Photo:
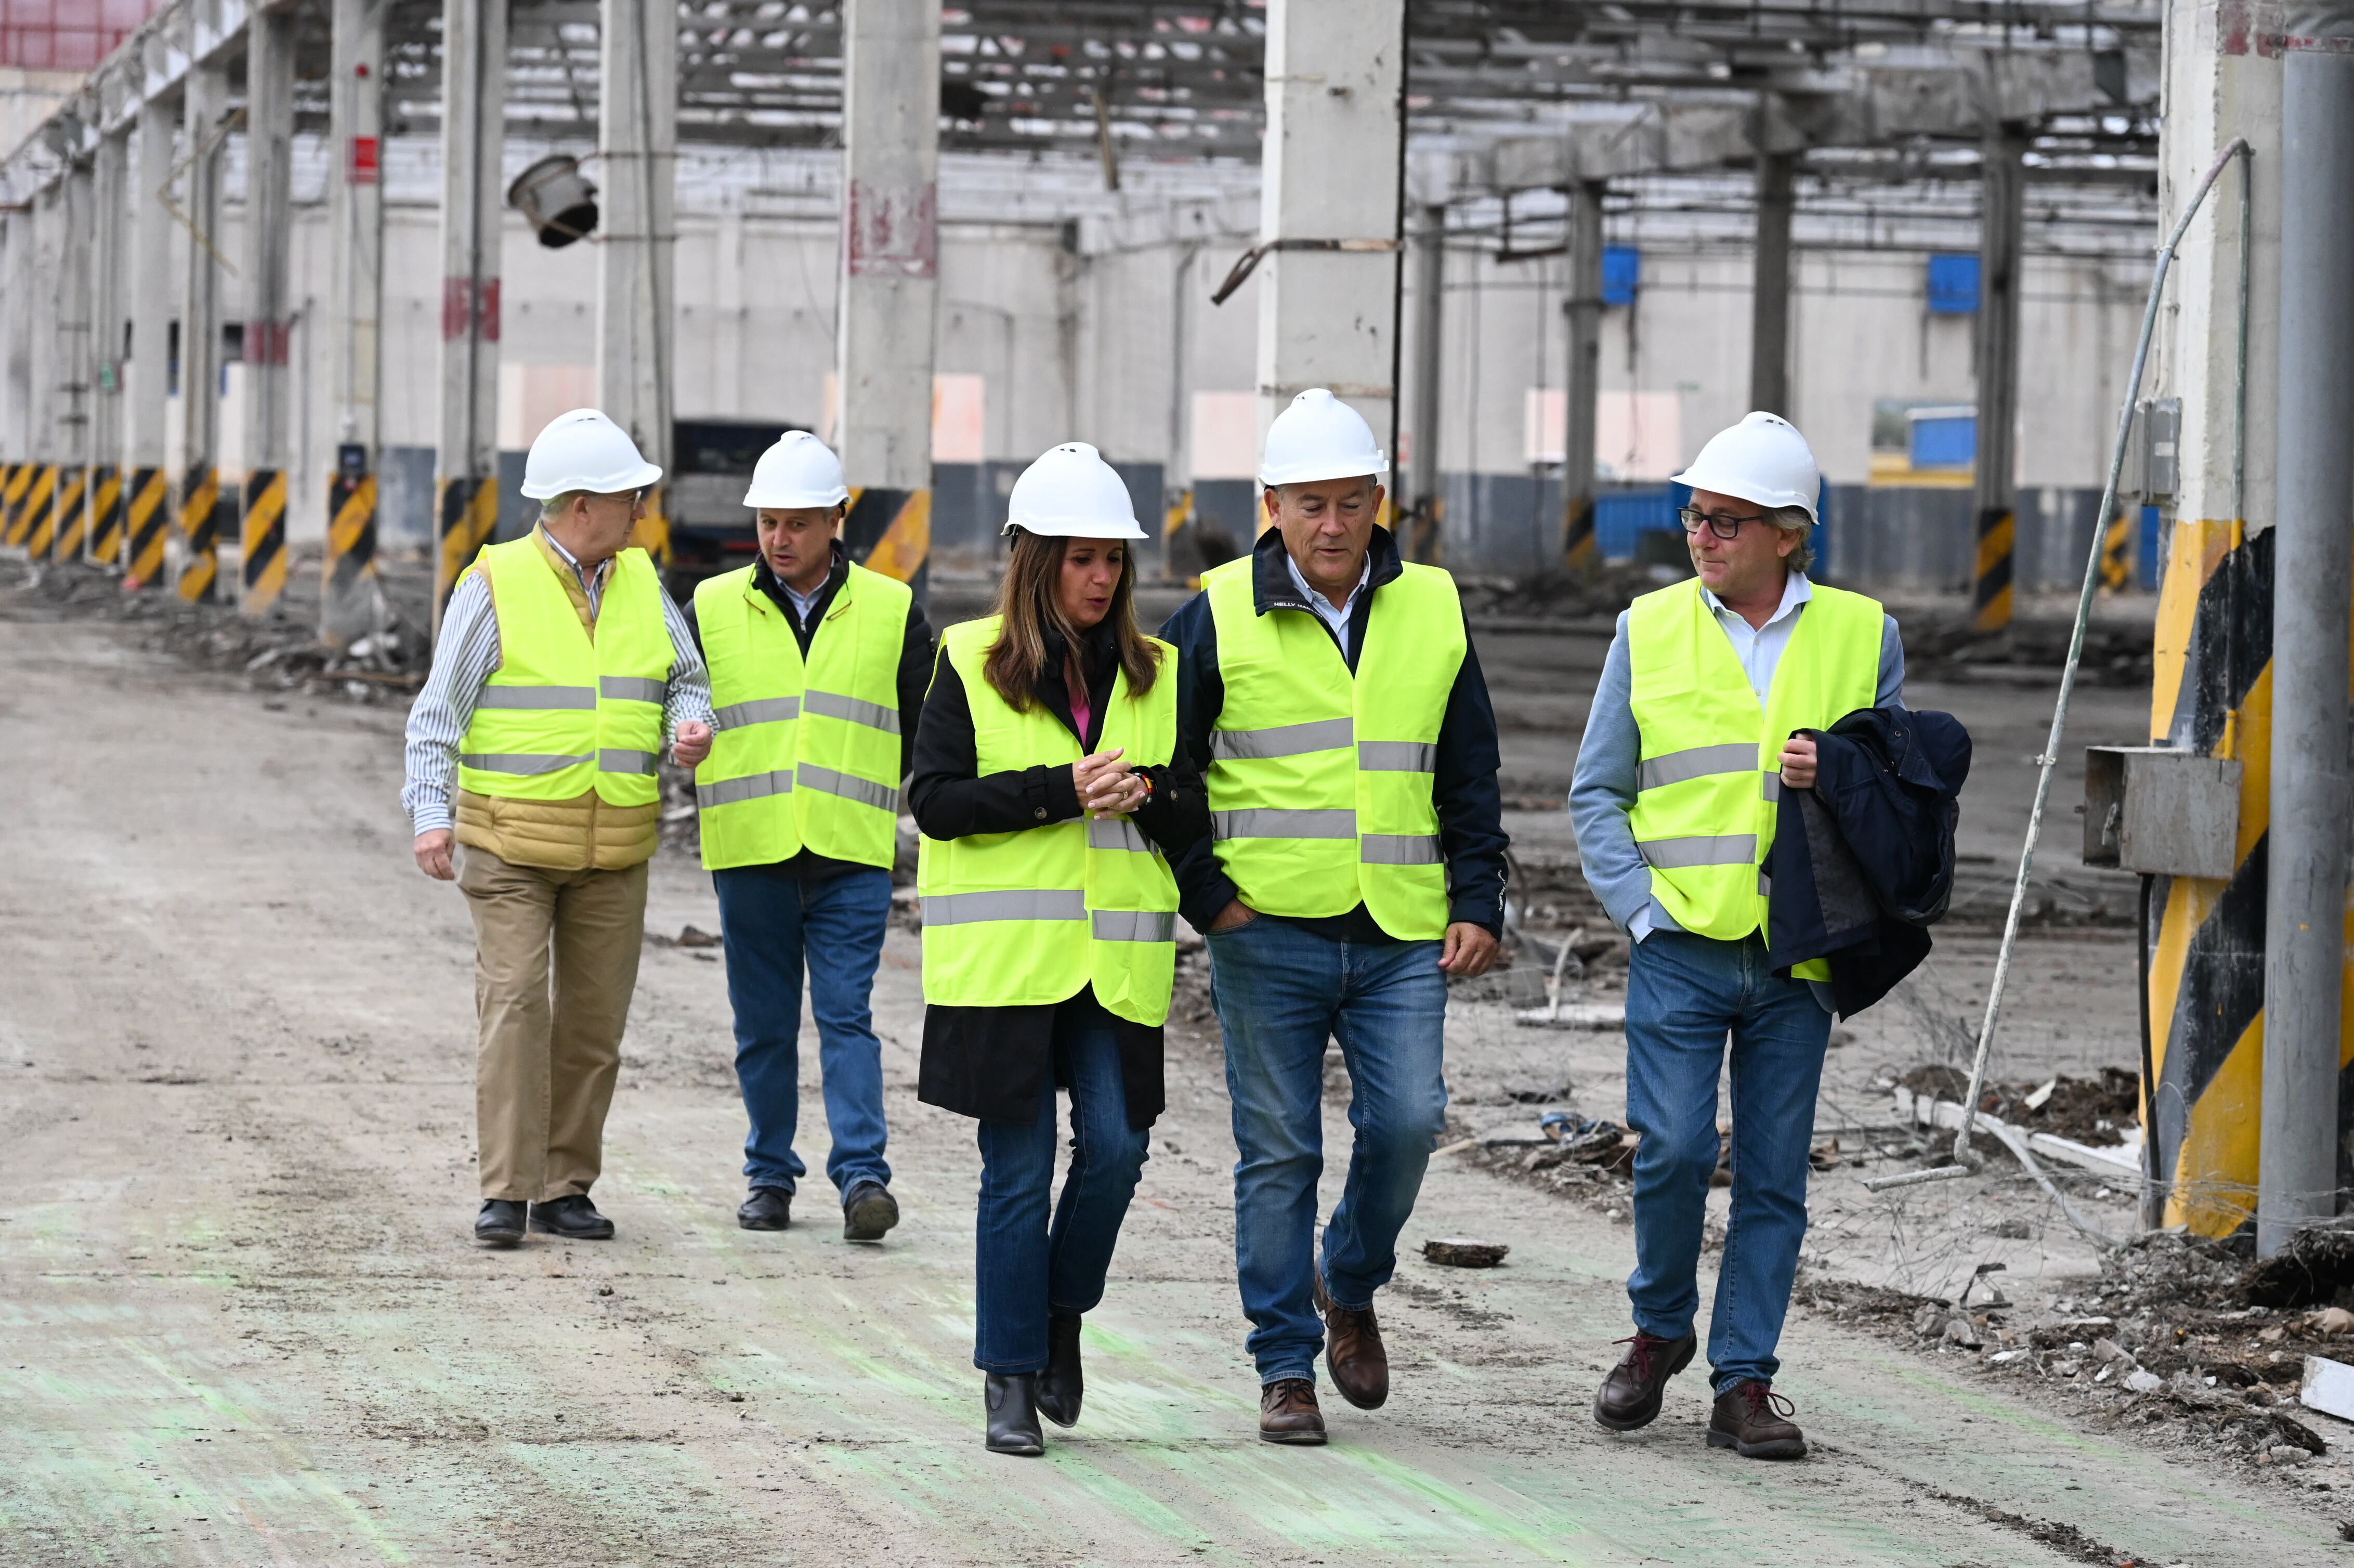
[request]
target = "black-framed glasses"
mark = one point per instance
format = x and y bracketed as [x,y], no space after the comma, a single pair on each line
[1722,524]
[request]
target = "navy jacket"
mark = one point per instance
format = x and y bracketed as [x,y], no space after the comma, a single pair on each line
[1864,862]
[1464,790]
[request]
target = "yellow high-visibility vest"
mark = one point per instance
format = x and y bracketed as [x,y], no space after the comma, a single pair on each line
[1320,782]
[1709,779]
[805,756]
[564,714]
[1026,918]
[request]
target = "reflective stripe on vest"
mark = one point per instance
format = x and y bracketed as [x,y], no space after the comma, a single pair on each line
[807,754]
[1708,781]
[1001,910]
[1320,780]
[564,713]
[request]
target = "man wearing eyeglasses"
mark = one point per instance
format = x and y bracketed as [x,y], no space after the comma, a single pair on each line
[1688,746]
[562,669]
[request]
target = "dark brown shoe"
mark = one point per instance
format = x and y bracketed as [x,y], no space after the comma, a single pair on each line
[1288,1413]
[1630,1395]
[1753,1421]
[1353,1351]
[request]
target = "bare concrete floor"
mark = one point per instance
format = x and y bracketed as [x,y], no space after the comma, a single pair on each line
[244,1323]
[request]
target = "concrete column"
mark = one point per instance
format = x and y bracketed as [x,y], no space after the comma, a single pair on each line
[2000,223]
[1429,341]
[351,603]
[1582,375]
[1329,206]
[201,508]
[1769,309]
[637,302]
[147,503]
[110,289]
[76,364]
[888,317]
[474,142]
[15,368]
[39,524]
[2313,606]
[269,310]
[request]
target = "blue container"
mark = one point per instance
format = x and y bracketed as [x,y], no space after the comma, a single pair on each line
[1953,285]
[1945,440]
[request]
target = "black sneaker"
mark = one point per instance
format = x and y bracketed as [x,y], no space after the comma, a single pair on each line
[500,1223]
[868,1211]
[574,1218]
[768,1209]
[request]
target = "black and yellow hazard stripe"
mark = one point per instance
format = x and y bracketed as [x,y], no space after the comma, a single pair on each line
[1991,590]
[147,513]
[16,478]
[105,514]
[1580,551]
[40,524]
[890,532]
[2118,552]
[200,507]
[2212,694]
[262,540]
[467,513]
[73,519]
[351,534]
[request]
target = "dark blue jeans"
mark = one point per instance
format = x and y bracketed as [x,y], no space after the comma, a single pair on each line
[1685,994]
[1281,993]
[775,924]
[1025,1269]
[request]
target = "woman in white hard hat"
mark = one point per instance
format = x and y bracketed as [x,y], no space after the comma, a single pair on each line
[1052,796]
[818,668]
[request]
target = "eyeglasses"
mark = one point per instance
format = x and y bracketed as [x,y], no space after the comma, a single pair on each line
[1722,525]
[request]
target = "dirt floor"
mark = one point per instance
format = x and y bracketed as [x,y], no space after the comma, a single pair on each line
[246,1324]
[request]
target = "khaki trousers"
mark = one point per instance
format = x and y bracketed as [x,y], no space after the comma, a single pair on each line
[556,957]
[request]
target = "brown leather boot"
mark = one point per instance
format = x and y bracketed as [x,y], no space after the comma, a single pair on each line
[1753,1421]
[1353,1351]
[1288,1413]
[1630,1396]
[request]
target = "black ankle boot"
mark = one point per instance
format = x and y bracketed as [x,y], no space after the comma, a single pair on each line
[1013,1403]
[1060,1386]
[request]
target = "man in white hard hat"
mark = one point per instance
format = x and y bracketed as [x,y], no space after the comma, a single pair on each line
[1356,862]
[562,671]
[1689,745]
[818,670]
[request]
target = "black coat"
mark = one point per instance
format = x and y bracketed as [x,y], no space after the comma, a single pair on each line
[993,1062]
[1862,864]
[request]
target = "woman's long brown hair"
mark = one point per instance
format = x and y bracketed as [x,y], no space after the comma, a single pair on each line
[1026,599]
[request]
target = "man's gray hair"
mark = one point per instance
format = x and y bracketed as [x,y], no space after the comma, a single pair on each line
[558,504]
[1795,520]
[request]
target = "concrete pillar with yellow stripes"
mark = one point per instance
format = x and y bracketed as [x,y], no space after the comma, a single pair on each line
[889,285]
[71,525]
[36,525]
[267,230]
[474,142]
[1994,498]
[351,603]
[202,506]
[147,495]
[109,293]
[14,516]
[146,519]
[106,514]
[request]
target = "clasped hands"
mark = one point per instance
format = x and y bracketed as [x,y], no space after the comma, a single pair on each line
[1105,786]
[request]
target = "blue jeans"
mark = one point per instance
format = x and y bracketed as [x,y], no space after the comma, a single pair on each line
[773,924]
[1684,995]
[1025,1269]
[1281,991]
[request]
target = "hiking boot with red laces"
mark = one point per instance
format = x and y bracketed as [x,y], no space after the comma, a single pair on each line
[1753,1421]
[1630,1394]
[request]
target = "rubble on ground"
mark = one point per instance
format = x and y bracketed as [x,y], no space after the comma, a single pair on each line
[1946,646]
[2096,1111]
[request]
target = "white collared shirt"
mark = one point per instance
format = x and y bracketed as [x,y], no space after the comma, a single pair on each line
[1335,616]
[1759,648]
[801,601]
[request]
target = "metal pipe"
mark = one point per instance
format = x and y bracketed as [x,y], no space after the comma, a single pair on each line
[2313,598]
[1582,374]
[1965,1161]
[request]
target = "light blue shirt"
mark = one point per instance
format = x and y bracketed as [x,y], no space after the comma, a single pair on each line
[1602,791]
[1335,616]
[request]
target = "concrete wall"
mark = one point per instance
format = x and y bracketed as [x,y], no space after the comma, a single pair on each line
[1063,300]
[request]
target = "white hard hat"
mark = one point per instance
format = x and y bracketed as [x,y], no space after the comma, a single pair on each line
[799,470]
[1070,493]
[1763,459]
[585,451]
[1320,436]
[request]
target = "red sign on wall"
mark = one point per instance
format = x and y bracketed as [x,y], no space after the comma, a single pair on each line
[892,232]
[360,168]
